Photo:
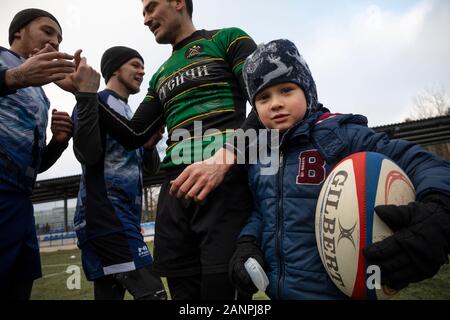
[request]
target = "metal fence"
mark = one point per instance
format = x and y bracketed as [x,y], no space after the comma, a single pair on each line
[54,235]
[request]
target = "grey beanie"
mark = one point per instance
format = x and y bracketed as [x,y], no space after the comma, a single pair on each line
[22,18]
[276,62]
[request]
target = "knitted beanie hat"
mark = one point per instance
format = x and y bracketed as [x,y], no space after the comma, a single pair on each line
[276,62]
[114,58]
[22,18]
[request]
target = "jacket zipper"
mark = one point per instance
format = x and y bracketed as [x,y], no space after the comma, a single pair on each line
[280,226]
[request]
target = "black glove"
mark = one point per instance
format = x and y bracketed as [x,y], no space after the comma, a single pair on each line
[420,244]
[246,247]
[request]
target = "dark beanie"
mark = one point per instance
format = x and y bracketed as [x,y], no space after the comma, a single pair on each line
[114,58]
[276,62]
[24,17]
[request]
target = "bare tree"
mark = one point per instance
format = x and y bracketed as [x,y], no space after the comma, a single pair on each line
[154,195]
[150,203]
[431,102]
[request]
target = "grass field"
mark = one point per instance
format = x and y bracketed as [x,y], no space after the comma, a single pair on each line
[52,286]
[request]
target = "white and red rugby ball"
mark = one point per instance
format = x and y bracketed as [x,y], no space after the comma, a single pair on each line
[346,222]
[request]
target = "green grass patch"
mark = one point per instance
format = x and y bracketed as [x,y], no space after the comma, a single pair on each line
[53,284]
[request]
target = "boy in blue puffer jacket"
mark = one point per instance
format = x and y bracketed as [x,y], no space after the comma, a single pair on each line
[280,233]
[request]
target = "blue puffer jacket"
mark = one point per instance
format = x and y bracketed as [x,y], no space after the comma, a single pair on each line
[284,211]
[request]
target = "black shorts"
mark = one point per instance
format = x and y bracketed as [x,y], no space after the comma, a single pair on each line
[193,238]
[19,248]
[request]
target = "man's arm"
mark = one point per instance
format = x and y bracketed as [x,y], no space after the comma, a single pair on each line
[87,137]
[134,133]
[4,90]
[39,70]
[94,119]
[152,162]
[62,129]
[238,53]
[87,145]
[52,153]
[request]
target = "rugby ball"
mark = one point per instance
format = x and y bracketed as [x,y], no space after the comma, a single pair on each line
[346,222]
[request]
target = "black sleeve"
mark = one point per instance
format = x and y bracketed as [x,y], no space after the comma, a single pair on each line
[52,153]
[237,54]
[241,151]
[134,133]
[252,122]
[239,47]
[87,137]
[152,162]
[4,91]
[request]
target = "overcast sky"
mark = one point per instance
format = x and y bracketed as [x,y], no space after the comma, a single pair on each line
[368,57]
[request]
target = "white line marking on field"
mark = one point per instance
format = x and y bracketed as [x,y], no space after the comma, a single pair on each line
[53,275]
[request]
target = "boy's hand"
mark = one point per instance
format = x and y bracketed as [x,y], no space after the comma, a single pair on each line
[61,127]
[246,247]
[420,244]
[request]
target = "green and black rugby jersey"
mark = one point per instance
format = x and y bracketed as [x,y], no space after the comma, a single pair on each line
[201,81]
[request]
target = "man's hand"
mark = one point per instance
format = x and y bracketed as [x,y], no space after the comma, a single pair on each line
[85,79]
[199,179]
[67,83]
[420,244]
[246,247]
[154,139]
[61,127]
[46,49]
[46,66]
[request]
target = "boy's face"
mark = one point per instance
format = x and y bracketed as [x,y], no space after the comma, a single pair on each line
[281,106]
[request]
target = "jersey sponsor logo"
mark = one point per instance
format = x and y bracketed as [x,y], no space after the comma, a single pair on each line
[311,168]
[194,51]
[143,252]
[179,79]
